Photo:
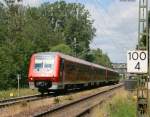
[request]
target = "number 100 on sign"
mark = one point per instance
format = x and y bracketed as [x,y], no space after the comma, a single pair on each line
[137,61]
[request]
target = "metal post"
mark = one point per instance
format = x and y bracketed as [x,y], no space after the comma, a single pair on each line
[75,44]
[18,78]
[142,89]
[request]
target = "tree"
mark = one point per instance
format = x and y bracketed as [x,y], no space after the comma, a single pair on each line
[61,48]
[100,58]
[71,21]
[59,26]
[142,42]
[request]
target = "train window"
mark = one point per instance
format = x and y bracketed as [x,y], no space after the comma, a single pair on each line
[47,65]
[38,64]
[44,64]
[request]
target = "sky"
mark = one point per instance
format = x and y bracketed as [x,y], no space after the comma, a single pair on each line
[116,22]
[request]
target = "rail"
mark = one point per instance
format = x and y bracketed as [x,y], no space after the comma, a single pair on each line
[79,106]
[11,101]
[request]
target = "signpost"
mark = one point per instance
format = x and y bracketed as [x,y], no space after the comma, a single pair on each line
[18,79]
[138,61]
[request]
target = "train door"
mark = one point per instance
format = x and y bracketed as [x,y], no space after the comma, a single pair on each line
[106,75]
[62,72]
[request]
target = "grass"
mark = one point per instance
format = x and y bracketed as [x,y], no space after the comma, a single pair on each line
[11,93]
[123,104]
[70,97]
[25,106]
[57,100]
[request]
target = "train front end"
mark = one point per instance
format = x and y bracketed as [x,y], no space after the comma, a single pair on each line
[44,71]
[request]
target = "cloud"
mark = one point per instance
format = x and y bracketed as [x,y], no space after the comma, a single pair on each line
[32,3]
[117,27]
[2,1]
[116,23]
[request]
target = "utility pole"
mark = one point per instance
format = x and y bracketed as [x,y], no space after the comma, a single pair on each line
[75,46]
[142,89]
[18,79]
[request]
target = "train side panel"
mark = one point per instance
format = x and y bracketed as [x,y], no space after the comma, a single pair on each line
[75,73]
[113,77]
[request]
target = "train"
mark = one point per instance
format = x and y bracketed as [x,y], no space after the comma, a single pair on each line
[55,71]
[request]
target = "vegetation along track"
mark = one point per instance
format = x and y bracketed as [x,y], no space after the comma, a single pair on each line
[13,101]
[78,107]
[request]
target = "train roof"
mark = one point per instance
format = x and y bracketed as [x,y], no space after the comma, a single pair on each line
[77,60]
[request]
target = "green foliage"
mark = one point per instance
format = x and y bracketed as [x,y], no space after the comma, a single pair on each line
[12,93]
[97,56]
[61,48]
[123,108]
[59,26]
[142,43]
[57,100]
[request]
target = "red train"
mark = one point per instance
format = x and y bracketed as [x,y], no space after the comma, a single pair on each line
[53,71]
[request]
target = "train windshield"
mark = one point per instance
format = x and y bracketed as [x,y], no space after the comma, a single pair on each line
[44,64]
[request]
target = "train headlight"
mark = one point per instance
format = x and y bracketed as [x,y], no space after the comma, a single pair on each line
[31,78]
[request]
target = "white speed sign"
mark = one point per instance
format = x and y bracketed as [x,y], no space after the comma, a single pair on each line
[137,61]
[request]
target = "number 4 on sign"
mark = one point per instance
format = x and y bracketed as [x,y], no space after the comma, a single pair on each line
[137,66]
[137,61]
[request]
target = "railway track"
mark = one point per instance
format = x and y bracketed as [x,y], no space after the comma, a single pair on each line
[78,107]
[12,101]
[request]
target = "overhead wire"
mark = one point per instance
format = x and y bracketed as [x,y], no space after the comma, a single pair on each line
[127,25]
[105,31]
[104,20]
[109,15]
[100,25]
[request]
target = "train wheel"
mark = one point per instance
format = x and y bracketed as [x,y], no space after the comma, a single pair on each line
[42,91]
